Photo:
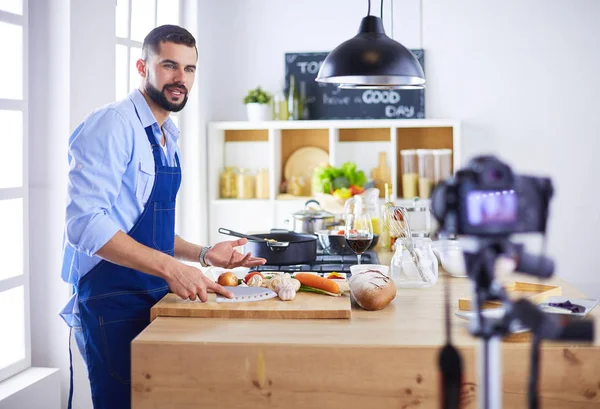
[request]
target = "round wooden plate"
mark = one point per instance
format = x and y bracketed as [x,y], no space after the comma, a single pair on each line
[303,161]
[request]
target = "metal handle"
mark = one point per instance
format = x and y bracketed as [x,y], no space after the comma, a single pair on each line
[312,201]
[241,235]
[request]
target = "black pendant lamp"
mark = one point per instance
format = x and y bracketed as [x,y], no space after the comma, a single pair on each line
[372,60]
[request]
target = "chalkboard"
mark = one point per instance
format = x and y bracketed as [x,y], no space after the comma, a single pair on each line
[327,101]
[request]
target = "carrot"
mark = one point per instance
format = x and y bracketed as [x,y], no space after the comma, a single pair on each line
[315,281]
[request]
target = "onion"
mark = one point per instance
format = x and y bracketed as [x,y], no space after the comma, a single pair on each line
[372,289]
[228,279]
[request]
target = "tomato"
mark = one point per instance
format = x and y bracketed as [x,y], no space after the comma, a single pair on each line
[340,232]
[252,274]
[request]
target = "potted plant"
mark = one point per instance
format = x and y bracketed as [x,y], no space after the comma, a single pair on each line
[258,105]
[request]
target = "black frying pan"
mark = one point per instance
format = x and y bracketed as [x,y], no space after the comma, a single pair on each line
[289,247]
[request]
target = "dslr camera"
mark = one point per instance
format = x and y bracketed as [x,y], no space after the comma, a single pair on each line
[487,199]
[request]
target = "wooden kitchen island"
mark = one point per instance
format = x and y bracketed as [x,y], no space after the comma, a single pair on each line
[380,359]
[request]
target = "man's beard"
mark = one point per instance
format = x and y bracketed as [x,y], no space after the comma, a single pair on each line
[160,98]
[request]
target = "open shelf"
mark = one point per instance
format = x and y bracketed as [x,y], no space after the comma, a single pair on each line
[246,135]
[364,135]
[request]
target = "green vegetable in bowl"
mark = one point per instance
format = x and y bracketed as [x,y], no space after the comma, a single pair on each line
[327,179]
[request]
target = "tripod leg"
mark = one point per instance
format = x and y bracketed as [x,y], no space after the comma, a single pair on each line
[490,373]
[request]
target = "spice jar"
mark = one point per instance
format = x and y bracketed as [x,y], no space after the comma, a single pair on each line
[228,183]
[245,184]
[262,184]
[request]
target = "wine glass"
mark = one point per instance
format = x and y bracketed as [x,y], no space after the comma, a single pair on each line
[358,232]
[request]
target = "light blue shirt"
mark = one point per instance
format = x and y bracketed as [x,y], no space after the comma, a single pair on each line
[111,175]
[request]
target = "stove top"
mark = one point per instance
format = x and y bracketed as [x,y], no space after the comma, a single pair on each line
[325,263]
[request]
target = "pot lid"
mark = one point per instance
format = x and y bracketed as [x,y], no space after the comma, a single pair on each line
[308,213]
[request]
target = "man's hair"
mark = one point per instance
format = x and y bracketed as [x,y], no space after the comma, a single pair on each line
[167,33]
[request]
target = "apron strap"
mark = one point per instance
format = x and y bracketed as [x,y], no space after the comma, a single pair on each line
[70,402]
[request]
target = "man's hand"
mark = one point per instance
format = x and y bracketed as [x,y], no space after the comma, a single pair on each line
[187,282]
[225,255]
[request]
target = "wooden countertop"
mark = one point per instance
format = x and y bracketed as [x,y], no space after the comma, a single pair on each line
[393,351]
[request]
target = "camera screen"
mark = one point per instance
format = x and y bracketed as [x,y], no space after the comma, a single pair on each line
[491,207]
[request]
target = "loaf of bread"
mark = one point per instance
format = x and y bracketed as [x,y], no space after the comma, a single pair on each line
[372,289]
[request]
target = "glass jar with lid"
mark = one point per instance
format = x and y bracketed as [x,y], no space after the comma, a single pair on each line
[245,184]
[262,184]
[228,183]
[418,269]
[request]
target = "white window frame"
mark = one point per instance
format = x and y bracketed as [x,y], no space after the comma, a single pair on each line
[129,43]
[20,193]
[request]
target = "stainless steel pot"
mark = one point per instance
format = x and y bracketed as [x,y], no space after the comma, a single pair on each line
[309,221]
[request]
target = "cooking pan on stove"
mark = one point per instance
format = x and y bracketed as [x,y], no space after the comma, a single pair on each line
[288,247]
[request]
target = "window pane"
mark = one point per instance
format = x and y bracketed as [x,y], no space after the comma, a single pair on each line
[11,75]
[142,18]
[121,71]
[134,76]
[11,138]
[12,326]
[167,12]
[12,6]
[11,239]
[122,18]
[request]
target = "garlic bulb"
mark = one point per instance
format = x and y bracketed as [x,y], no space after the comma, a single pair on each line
[285,290]
[255,281]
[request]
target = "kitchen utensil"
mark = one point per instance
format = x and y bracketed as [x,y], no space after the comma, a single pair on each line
[246,294]
[303,161]
[304,306]
[272,243]
[397,220]
[310,220]
[301,248]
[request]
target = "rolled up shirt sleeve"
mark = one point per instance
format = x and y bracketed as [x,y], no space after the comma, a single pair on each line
[99,152]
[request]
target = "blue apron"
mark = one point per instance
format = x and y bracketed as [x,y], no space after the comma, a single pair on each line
[115,301]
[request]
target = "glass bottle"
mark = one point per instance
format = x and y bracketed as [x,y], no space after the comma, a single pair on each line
[292,104]
[384,238]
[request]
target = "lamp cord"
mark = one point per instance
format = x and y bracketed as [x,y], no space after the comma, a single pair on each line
[369,9]
[381,11]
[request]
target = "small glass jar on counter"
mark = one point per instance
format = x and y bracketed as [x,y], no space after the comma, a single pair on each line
[245,184]
[403,268]
[262,184]
[228,183]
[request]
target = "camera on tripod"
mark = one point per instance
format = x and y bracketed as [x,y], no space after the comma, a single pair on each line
[487,203]
[487,199]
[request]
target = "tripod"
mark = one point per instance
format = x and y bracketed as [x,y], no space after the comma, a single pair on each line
[480,257]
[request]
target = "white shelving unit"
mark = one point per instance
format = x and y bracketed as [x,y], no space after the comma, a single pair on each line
[268,144]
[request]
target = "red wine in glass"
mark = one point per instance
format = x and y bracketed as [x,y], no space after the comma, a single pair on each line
[359,244]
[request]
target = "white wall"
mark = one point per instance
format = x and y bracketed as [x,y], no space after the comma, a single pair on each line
[71,72]
[523,76]
[490,64]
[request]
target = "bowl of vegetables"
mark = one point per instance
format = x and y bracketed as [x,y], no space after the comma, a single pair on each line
[341,182]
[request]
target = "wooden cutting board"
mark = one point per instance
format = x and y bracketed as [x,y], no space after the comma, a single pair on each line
[305,305]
